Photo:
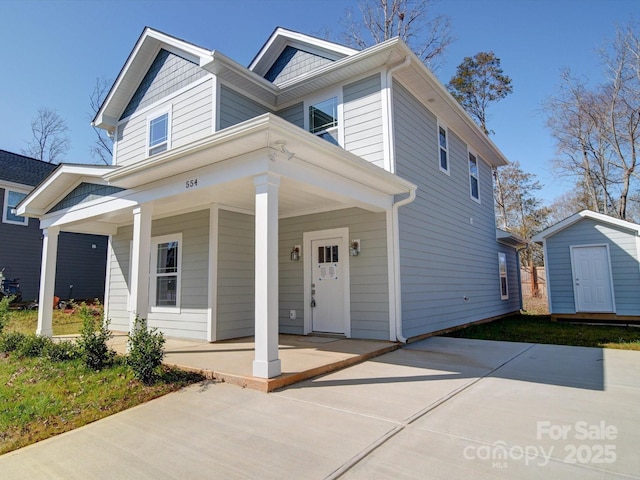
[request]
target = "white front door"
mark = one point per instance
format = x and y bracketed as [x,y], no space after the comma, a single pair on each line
[592,279]
[327,285]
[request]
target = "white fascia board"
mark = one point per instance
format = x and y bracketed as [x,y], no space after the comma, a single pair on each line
[219,60]
[576,217]
[16,186]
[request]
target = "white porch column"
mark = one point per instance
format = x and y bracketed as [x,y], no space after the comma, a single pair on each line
[47,281]
[140,256]
[266,363]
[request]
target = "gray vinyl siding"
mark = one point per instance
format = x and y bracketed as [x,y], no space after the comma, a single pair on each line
[168,73]
[292,63]
[448,247]
[624,264]
[363,119]
[191,321]
[191,114]
[77,264]
[236,108]
[236,275]
[368,271]
[293,114]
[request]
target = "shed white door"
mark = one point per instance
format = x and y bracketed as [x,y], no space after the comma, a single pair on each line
[327,286]
[592,279]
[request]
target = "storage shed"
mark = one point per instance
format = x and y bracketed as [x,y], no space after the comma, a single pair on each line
[593,268]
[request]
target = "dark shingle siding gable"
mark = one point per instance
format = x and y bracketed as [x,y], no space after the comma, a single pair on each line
[17,168]
[292,63]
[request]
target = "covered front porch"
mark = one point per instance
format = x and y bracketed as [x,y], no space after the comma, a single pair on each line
[266,170]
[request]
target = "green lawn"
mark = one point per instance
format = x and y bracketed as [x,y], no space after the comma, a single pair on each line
[40,398]
[540,329]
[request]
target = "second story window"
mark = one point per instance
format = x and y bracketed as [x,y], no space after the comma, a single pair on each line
[158,133]
[11,200]
[443,148]
[473,177]
[323,119]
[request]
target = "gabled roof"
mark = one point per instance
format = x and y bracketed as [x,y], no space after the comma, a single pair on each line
[136,67]
[585,214]
[23,170]
[282,38]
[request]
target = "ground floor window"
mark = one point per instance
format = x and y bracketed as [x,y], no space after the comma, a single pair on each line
[504,283]
[166,264]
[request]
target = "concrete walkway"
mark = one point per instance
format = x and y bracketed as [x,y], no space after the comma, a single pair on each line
[442,408]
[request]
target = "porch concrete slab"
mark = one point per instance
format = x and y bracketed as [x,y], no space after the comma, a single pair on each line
[231,361]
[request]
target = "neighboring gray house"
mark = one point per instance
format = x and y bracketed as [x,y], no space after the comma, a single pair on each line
[321,189]
[592,264]
[81,258]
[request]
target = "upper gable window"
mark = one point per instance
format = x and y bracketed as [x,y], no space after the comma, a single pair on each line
[159,133]
[11,200]
[443,148]
[323,119]
[474,183]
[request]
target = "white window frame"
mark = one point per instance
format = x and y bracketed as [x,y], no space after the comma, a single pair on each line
[153,273]
[167,110]
[7,190]
[477,176]
[442,126]
[319,98]
[502,260]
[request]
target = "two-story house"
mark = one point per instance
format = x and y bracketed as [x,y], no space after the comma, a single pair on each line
[320,189]
[81,258]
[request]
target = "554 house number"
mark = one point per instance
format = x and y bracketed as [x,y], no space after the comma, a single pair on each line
[191,183]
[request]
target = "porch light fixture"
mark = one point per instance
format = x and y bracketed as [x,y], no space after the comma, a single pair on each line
[354,248]
[295,253]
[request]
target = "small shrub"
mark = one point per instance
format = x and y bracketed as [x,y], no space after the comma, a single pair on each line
[33,346]
[145,351]
[4,311]
[94,335]
[9,342]
[62,351]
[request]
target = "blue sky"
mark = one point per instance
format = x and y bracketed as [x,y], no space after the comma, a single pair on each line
[52,52]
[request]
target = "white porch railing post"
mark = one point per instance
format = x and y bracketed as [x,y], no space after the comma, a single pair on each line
[140,257]
[266,363]
[47,281]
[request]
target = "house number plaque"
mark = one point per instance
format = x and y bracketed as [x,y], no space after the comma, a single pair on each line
[191,183]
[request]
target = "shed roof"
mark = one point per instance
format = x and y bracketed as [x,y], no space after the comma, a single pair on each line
[23,170]
[585,214]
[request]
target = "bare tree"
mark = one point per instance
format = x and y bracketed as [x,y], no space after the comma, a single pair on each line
[597,130]
[50,142]
[102,149]
[410,20]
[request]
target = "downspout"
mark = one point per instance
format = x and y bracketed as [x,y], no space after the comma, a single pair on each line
[395,237]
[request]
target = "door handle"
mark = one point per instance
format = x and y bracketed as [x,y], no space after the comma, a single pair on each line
[313,302]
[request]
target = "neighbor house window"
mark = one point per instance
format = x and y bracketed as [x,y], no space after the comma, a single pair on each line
[11,200]
[504,283]
[443,148]
[323,119]
[474,185]
[165,271]
[158,133]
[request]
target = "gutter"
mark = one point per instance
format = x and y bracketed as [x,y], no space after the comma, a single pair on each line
[395,234]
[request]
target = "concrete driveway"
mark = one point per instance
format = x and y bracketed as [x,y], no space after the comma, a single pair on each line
[440,408]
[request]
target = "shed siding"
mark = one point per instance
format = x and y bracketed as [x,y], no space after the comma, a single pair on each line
[369,272]
[448,247]
[292,63]
[624,265]
[363,119]
[293,114]
[236,108]
[236,275]
[190,120]
[191,321]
